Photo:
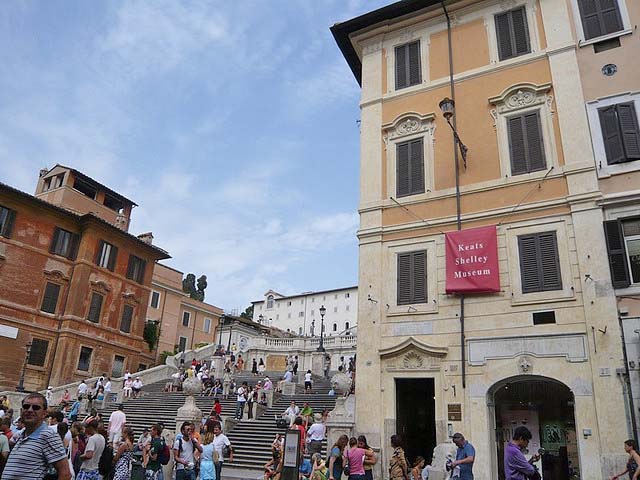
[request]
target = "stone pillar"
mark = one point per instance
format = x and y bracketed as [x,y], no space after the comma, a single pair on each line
[189,411]
[317,363]
[288,388]
[217,363]
[269,396]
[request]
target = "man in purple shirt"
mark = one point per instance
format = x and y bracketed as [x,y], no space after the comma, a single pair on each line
[516,466]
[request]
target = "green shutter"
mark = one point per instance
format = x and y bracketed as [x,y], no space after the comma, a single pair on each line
[629,130]
[401,67]
[403,187]
[419,277]
[517,148]
[520,32]
[404,279]
[530,275]
[113,255]
[535,145]
[414,73]
[416,160]
[539,262]
[599,17]
[503,33]
[617,254]
[611,135]
[549,261]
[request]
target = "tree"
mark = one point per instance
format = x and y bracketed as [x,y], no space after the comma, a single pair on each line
[248,313]
[189,286]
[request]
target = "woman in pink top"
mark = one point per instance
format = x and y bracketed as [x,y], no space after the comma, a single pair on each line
[355,458]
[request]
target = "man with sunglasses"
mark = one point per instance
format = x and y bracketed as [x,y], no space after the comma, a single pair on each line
[38,447]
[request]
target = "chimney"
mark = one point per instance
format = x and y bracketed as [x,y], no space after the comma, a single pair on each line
[43,172]
[146,238]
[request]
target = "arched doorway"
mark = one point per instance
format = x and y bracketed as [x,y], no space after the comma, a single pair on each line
[546,407]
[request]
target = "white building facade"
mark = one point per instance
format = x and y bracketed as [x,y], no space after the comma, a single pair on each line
[300,314]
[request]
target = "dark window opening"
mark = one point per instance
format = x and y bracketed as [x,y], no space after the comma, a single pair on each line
[141,367]
[155,299]
[50,298]
[543,318]
[117,368]
[182,345]
[106,256]
[408,70]
[85,359]
[64,243]
[113,203]
[38,352]
[186,316]
[7,217]
[95,308]
[606,45]
[127,318]
[135,270]
[85,188]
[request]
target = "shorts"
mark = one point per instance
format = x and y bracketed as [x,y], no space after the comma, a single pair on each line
[114,437]
[307,385]
[89,475]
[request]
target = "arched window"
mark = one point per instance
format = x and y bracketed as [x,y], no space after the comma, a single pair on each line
[270,301]
[335,327]
[346,325]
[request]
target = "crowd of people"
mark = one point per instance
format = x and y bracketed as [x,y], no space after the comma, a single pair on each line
[54,444]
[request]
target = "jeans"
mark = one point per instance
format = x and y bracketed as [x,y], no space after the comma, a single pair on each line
[184,474]
[218,466]
[239,409]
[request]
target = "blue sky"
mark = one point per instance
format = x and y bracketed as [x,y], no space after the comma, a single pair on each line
[231,123]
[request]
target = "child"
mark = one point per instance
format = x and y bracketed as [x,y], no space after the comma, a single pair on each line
[418,465]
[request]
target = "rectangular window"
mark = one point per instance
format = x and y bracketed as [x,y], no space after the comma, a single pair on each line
[288,315]
[207,325]
[526,145]
[84,362]
[95,308]
[7,217]
[599,17]
[412,277]
[182,344]
[623,247]
[512,33]
[631,231]
[135,270]
[300,314]
[408,70]
[544,318]
[142,367]
[117,368]
[186,318]
[346,295]
[347,308]
[409,168]
[155,299]
[50,298]
[127,318]
[539,262]
[38,352]
[288,304]
[106,255]
[620,132]
[64,243]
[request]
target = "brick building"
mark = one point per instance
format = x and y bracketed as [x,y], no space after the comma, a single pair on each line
[72,283]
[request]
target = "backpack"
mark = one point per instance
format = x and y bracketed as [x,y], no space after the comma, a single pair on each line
[105,465]
[164,455]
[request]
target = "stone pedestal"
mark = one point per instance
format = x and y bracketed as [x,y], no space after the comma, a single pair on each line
[341,419]
[189,411]
[269,396]
[288,388]
[217,364]
[317,363]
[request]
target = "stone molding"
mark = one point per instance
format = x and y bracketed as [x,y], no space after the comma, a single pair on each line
[519,96]
[56,276]
[409,123]
[571,346]
[412,354]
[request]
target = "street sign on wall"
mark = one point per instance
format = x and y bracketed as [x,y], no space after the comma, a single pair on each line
[472,261]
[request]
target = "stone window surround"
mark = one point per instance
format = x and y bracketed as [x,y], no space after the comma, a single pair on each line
[87,372]
[553,225]
[151,298]
[602,167]
[406,127]
[204,325]
[423,31]
[124,363]
[57,277]
[390,276]
[516,100]
[134,315]
[44,367]
[627,27]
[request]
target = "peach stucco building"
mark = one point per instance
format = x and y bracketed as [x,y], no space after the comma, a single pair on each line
[544,350]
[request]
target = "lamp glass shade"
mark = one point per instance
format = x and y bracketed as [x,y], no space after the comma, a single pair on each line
[447,106]
[323,310]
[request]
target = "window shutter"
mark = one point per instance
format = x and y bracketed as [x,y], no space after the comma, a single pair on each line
[8,223]
[517,146]
[535,145]
[530,274]
[404,279]
[143,266]
[73,246]
[611,135]
[520,31]
[112,258]
[419,271]
[617,254]
[50,297]
[95,308]
[38,352]
[611,20]
[402,170]
[503,32]
[54,241]
[549,261]
[414,63]
[630,131]
[101,245]
[417,167]
[130,267]
[401,67]
[127,316]
[590,18]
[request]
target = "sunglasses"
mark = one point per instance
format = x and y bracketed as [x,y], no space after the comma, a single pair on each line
[35,408]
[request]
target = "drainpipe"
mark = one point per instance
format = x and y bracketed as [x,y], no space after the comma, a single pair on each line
[457,175]
[626,382]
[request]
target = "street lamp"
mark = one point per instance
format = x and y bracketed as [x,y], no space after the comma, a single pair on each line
[260,319]
[448,107]
[20,386]
[322,312]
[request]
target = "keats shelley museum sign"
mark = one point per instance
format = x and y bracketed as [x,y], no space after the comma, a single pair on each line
[472,261]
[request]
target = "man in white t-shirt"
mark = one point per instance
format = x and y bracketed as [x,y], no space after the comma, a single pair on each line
[117,420]
[54,419]
[220,440]
[184,449]
[136,386]
[92,453]
[241,400]
[107,392]
[316,434]
[82,388]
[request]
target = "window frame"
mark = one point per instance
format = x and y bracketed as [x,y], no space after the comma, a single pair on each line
[406,47]
[44,292]
[625,240]
[619,130]
[110,261]
[413,300]
[539,267]
[180,347]
[126,307]
[6,227]
[512,36]
[159,296]
[270,302]
[186,314]
[136,268]
[90,307]
[205,328]
[91,349]
[113,362]
[527,159]
[71,250]
[627,27]
[44,357]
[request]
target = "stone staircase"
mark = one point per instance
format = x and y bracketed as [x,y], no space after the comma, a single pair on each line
[251,438]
